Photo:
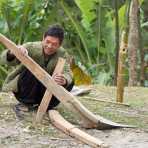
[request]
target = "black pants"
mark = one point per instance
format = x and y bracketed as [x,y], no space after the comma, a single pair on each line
[31,90]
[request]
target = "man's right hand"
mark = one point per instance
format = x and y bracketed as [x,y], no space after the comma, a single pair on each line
[23,50]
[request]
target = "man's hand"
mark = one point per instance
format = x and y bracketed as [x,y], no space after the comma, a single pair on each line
[23,50]
[59,79]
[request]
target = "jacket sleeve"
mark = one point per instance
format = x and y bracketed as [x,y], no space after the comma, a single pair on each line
[7,58]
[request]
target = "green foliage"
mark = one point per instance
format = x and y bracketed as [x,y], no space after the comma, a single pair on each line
[89,28]
[96,31]
[78,29]
[145,24]
[141,2]
[88,15]
[3,74]
[122,12]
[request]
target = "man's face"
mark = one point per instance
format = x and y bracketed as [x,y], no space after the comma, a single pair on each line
[50,45]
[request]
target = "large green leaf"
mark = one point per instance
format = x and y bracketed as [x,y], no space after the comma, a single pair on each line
[86,7]
[78,28]
[145,24]
[141,2]
[121,13]
[103,78]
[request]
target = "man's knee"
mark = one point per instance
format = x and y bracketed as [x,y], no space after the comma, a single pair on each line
[54,101]
[70,86]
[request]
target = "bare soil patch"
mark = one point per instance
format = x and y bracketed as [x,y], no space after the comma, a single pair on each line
[15,133]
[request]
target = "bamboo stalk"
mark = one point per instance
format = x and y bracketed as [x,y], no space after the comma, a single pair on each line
[121,68]
[116,39]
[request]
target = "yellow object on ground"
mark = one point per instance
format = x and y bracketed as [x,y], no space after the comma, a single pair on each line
[80,77]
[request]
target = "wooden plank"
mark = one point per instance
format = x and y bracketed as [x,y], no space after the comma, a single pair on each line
[69,129]
[88,118]
[48,95]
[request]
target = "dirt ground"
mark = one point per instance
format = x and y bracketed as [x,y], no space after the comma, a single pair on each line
[16,133]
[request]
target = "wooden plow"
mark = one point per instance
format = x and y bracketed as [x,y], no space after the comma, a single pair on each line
[88,118]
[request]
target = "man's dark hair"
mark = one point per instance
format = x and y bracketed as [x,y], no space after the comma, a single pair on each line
[55,31]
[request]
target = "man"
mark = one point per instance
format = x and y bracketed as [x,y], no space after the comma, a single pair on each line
[27,89]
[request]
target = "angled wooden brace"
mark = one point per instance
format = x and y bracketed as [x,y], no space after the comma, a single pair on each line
[48,95]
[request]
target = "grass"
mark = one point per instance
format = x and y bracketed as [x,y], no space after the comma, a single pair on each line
[136,114]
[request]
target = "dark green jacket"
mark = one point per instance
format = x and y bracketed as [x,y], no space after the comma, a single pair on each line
[36,53]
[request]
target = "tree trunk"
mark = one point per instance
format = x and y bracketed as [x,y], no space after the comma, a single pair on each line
[133,42]
[117,40]
[142,77]
[121,68]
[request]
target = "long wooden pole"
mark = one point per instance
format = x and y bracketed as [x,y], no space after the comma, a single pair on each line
[121,68]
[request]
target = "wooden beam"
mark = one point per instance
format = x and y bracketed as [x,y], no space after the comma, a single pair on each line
[69,129]
[48,95]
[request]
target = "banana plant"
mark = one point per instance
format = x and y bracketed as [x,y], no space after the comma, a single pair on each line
[98,24]
[78,29]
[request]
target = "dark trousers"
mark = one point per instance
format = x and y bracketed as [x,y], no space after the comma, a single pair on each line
[31,90]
